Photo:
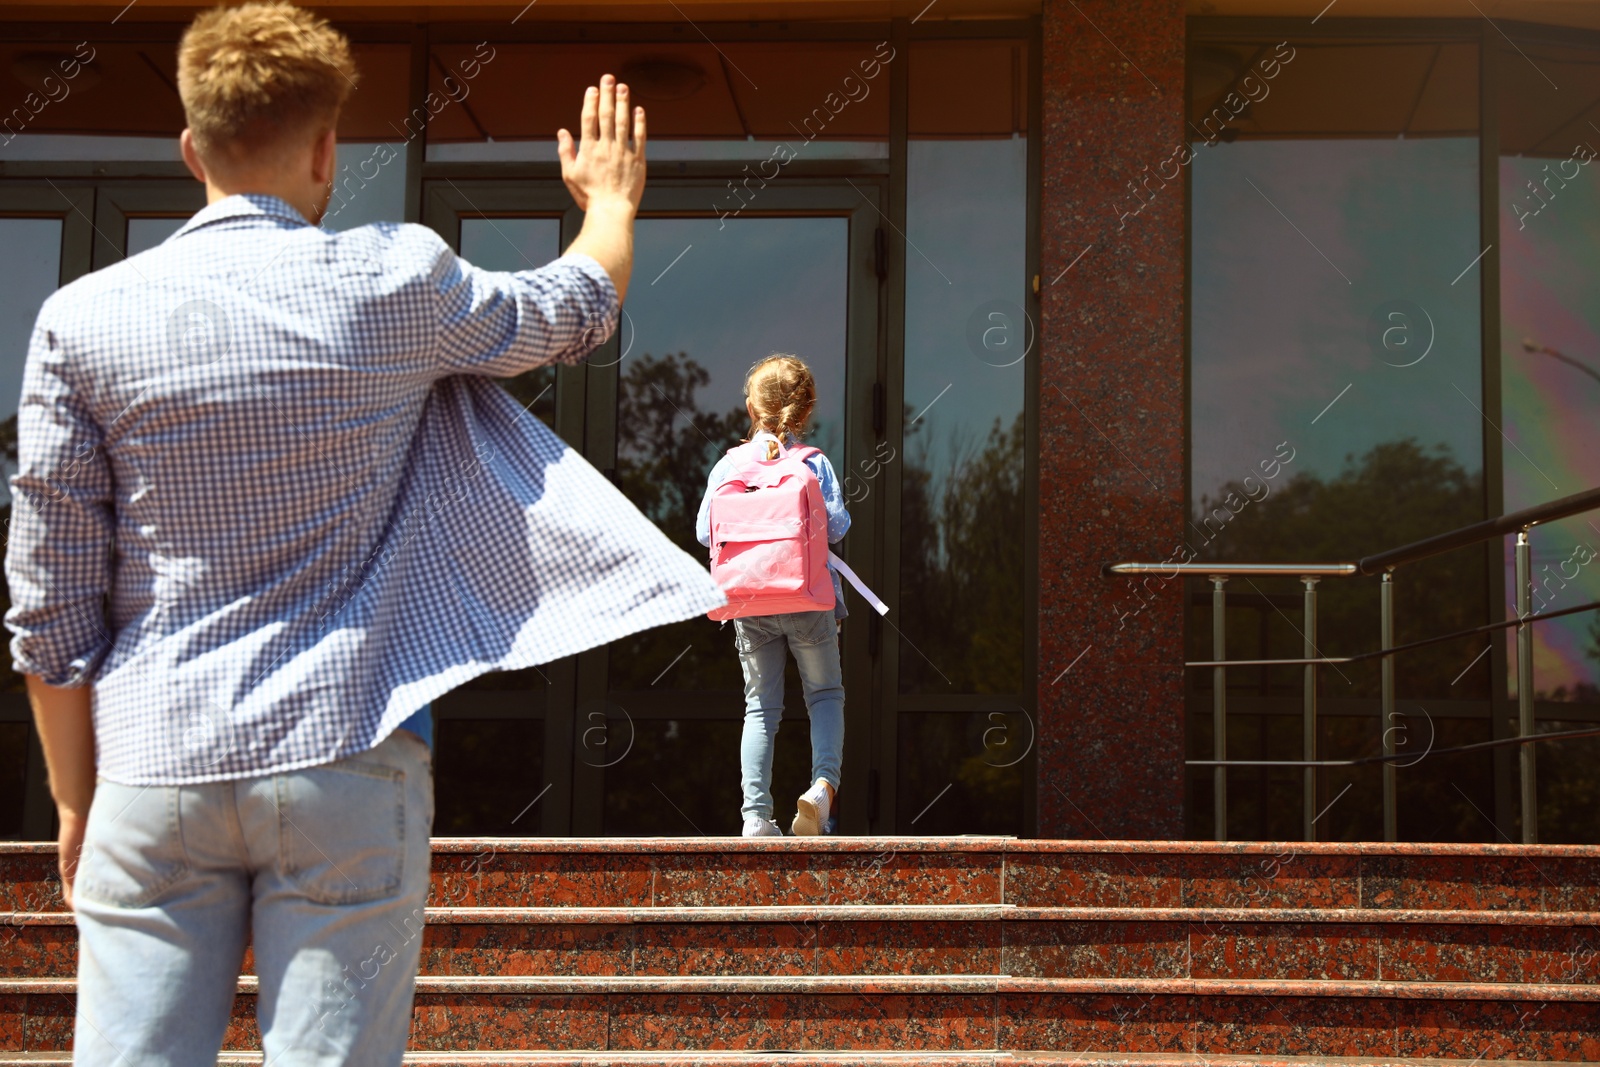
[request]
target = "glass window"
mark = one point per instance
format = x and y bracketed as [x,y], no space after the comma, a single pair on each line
[486,776]
[709,298]
[29,272]
[962,772]
[1549,215]
[735,100]
[146,232]
[658,792]
[518,244]
[13,778]
[1550,345]
[967,339]
[1335,392]
[369,185]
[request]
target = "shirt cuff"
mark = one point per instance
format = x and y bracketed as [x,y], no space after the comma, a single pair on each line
[74,675]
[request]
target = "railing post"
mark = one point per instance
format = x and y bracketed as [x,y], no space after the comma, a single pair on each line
[1391,828]
[1309,725]
[1219,704]
[1525,724]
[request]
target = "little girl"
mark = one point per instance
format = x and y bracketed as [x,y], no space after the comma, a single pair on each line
[779,395]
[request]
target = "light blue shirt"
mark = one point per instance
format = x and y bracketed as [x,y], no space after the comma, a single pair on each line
[832,500]
[269,504]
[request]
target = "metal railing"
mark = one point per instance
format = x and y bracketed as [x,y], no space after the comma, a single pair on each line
[1383,564]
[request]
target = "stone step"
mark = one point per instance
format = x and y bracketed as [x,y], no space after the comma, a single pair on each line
[849,1059]
[1167,943]
[709,872]
[1472,1022]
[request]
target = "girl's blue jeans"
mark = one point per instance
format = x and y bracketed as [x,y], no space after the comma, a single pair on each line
[813,637]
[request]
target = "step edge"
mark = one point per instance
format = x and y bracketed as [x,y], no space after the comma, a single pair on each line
[934,984]
[790,913]
[715,1058]
[953,845]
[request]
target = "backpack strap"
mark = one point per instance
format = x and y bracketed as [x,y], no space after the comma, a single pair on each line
[861,587]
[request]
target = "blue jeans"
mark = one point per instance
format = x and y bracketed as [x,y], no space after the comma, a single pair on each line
[323,870]
[813,637]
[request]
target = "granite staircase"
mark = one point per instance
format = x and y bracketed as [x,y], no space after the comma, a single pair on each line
[950,952]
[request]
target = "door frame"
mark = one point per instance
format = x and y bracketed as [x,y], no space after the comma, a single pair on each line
[861,201]
[581,709]
[444,204]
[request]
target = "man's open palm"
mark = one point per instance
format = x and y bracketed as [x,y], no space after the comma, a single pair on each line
[603,164]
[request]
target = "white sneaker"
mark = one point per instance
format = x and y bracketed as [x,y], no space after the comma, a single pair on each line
[812,815]
[756,826]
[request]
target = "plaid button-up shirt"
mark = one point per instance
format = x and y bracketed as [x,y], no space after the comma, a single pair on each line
[269,506]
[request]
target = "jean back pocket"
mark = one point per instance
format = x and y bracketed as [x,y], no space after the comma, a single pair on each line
[341,830]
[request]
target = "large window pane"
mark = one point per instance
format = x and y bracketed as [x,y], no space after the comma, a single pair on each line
[1336,398]
[1550,382]
[1550,343]
[967,341]
[145,233]
[962,772]
[29,272]
[487,776]
[518,244]
[657,792]
[708,300]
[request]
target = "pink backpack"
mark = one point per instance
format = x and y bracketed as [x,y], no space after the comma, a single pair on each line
[769,534]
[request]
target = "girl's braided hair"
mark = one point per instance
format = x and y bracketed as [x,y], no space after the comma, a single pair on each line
[782,392]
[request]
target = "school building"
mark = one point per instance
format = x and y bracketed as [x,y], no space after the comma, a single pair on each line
[1083,282]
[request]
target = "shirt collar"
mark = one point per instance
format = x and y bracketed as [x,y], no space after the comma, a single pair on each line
[243,205]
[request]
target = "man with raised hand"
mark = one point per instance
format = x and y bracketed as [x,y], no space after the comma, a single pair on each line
[268,508]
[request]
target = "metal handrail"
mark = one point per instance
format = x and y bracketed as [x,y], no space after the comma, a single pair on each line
[1575,504]
[1361,761]
[1362,657]
[1384,564]
[1256,570]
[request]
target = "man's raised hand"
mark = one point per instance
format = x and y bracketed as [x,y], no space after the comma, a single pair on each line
[603,165]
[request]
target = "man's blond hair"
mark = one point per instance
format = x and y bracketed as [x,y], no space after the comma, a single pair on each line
[254,77]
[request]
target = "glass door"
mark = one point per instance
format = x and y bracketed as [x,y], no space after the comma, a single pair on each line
[795,271]
[46,230]
[501,762]
[134,216]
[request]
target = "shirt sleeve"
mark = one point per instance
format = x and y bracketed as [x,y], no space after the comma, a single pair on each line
[832,498]
[500,324]
[702,520]
[62,524]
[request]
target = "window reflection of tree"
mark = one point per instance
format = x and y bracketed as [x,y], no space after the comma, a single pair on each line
[961,565]
[666,446]
[1396,493]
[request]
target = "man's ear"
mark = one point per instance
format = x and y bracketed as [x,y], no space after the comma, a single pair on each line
[191,158]
[324,155]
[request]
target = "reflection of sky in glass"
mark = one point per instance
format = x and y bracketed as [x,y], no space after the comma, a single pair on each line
[29,272]
[966,224]
[367,190]
[145,233]
[513,244]
[1549,269]
[740,291]
[1282,321]
[510,244]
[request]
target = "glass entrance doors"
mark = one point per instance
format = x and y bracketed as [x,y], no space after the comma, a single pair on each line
[642,737]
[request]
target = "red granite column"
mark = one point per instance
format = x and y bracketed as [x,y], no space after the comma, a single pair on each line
[1112,418]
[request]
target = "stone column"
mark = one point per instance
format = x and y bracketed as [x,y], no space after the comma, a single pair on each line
[1112,418]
